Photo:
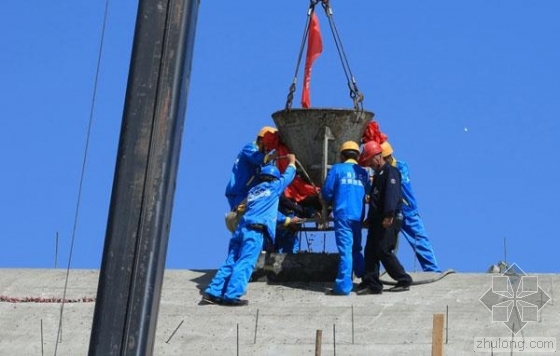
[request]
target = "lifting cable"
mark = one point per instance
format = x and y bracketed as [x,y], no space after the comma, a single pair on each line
[82,175]
[355,94]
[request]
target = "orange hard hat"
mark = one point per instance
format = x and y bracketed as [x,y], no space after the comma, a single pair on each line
[371,149]
[387,149]
[350,145]
[265,130]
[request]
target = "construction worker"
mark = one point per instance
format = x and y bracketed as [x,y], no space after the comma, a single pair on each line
[384,220]
[412,227]
[246,168]
[344,188]
[259,219]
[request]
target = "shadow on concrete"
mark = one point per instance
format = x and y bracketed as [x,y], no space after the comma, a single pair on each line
[313,272]
[203,280]
[318,287]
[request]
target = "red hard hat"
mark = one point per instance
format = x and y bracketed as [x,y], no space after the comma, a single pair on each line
[371,149]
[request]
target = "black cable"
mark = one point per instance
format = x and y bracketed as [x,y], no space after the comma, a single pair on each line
[424,281]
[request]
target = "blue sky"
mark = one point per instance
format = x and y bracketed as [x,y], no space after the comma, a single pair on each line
[467,91]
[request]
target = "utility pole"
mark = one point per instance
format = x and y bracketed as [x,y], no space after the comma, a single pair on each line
[132,268]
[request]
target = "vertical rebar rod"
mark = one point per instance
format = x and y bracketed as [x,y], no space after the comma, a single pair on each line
[237,339]
[42,340]
[256,326]
[334,338]
[352,324]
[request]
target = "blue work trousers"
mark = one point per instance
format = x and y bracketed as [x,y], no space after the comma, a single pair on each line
[415,233]
[231,280]
[357,254]
[287,241]
[348,235]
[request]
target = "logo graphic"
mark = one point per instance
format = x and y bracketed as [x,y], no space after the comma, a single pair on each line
[515,298]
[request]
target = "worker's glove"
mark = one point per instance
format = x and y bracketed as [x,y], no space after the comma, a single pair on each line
[233,217]
[296,220]
[232,220]
[295,223]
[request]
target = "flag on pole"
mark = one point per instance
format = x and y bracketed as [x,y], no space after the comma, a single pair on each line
[314,49]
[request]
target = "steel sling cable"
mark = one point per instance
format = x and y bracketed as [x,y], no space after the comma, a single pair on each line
[355,94]
[83,169]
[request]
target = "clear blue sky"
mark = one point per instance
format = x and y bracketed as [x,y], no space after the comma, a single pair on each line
[467,91]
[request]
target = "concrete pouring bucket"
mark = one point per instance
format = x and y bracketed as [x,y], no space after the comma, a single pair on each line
[315,135]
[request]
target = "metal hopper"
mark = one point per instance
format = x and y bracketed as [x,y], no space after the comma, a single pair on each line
[314,135]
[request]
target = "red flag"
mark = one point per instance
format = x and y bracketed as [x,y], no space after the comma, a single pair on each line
[314,49]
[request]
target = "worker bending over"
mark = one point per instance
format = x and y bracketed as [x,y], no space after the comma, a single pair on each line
[260,219]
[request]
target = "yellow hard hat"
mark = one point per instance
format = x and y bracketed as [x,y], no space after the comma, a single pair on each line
[266,129]
[387,149]
[350,145]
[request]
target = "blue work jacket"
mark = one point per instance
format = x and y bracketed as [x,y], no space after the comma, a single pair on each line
[410,206]
[262,202]
[345,188]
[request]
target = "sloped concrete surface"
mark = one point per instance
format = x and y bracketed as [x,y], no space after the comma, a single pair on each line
[282,319]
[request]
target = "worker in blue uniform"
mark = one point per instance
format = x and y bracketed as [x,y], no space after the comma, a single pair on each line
[244,174]
[412,227]
[384,221]
[259,219]
[344,188]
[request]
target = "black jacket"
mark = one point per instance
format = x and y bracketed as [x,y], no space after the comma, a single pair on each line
[386,194]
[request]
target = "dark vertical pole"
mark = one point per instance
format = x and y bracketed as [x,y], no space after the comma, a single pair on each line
[132,268]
